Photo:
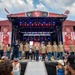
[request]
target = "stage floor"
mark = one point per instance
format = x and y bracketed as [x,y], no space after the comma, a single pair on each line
[38,67]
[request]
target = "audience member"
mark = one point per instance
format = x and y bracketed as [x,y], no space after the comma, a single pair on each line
[6,68]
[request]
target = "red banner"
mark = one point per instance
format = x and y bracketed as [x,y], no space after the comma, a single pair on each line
[68,37]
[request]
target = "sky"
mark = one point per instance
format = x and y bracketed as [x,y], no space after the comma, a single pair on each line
[55,6]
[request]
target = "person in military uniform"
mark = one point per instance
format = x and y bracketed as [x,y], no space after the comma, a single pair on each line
[72,49]
[37,49]
[55,50]
[61,50]
[27,48]
[43,49]
[20,50]
[49,50]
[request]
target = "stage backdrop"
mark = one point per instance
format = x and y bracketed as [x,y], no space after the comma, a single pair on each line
[68,37]
[6,35]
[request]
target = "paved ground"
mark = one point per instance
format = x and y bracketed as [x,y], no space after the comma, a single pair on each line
[36,68]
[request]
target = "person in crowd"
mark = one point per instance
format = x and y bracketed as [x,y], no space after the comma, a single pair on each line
[1,49]
[27,48]
[16,67]
[15,49]
[6,68]
[55,50]
[72,48]
[49,50]
[60,67]
[61,50]
[70,68]
[20,50]
[37,49]
[8,51]
[43,49]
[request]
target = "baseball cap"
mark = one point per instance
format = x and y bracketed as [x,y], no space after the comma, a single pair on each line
[71,60]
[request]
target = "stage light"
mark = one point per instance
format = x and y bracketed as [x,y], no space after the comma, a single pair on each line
[44,22]
[53,22]
[49,24]
[20,22]
[36,24]
[30,22]
[27,24]
[41,24]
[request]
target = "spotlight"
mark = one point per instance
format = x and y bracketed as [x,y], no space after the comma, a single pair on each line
[20,22]
[35,24]
[49,24]
[41,24]
[44,22]
[27,24]
[53,22]
[38,24]
[30,22]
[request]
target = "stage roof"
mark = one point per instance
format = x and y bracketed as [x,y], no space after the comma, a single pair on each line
[37,14]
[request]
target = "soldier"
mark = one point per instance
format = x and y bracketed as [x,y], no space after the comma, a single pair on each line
[55,50]
[20,50]
[72,49]
[43,49]
[27,48]
[37,48]
[61,50]
[49,50]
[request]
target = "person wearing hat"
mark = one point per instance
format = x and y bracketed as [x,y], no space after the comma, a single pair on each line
[60,67]
[71,65]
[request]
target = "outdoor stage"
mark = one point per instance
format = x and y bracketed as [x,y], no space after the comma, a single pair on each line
[37,26]
[38,67]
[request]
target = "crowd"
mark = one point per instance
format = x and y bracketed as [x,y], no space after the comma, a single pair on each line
[8,67]
[38,50]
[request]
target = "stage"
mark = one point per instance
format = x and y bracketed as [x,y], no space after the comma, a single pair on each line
[38,67]
[40,27]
